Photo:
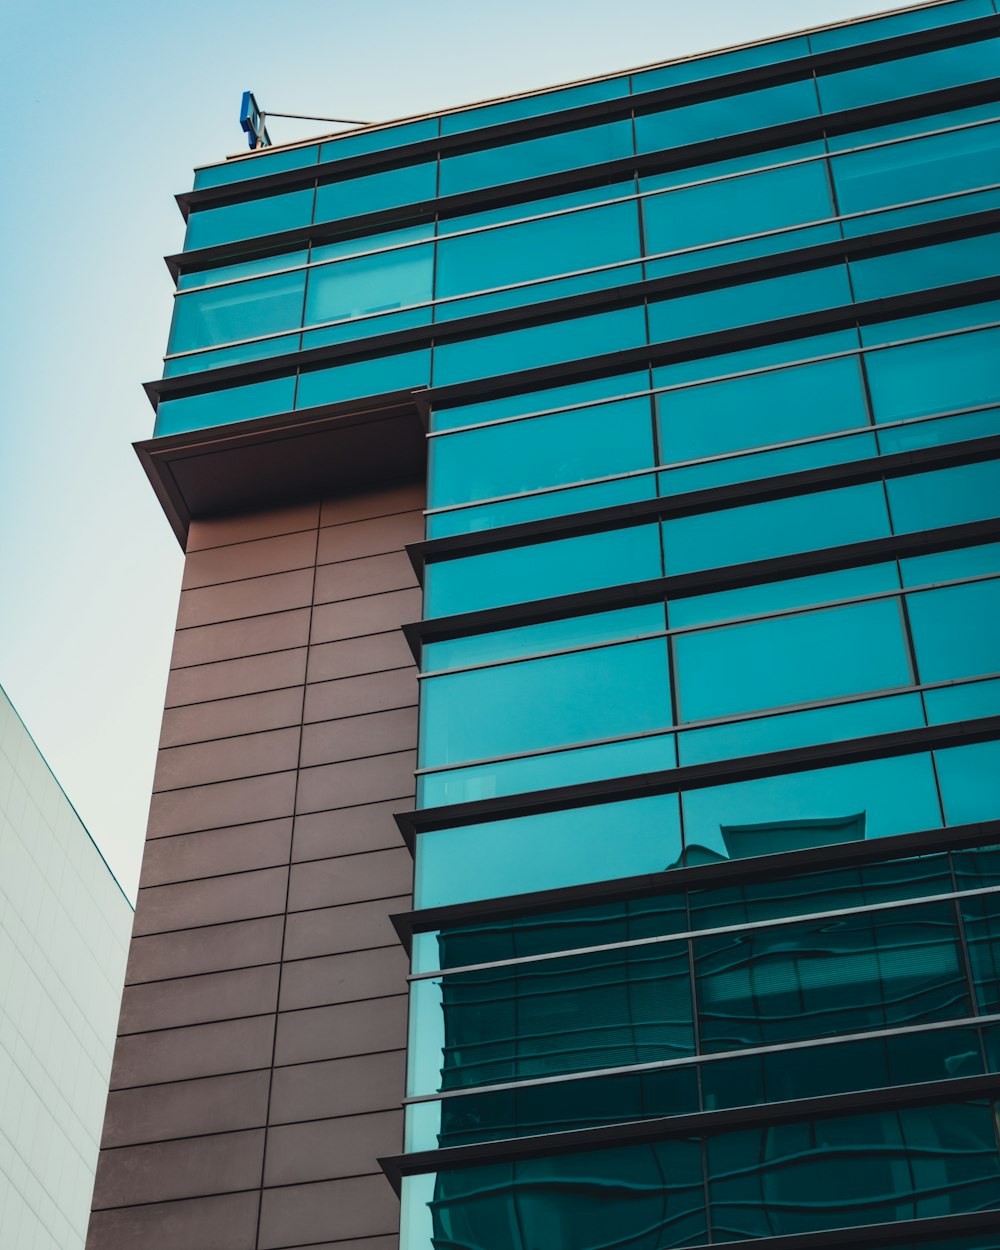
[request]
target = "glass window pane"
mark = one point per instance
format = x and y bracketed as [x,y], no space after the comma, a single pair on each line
[970,492]
[808,727]
[968,778]
[955,630]
[920,268]
[370,284]
[530,158]
[583,695]
[791,659]
[255,166]
[947,566]
[533,105]
[571,631]
[795,592]
[535,249]
[917,169]
[846,803]
[746,303]
[761,408]
[872,970]
[779,527]
[696,68]
[539,571]
[725,115]
[389,188]
[235,403]
[909,75]
[532,346]
[736,206]
[526,455]
[241,269]
[264,215]
[651,754]
[457,416]
[378,139]
[898,24]
[939,375]
[356,378]
[569,847]
[240,310]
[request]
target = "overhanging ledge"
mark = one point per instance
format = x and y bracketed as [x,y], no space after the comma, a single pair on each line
[273,460]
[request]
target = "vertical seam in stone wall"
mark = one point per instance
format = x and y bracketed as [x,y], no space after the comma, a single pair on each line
[288,879]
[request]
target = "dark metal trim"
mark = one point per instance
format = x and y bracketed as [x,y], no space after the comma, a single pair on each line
[640,1132]
[696,776]
[889,48]
[677,880]
[684,585]
[157,455]
[774,264]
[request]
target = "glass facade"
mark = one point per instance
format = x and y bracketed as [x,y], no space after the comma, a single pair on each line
[64,931]
[709,666]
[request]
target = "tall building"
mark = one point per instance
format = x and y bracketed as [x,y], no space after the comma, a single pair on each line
[650,428]
[64,930]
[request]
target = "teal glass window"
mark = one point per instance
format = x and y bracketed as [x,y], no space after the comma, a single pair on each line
[916,169]
[955,630]
[921,268]
[968,777]
[874,1168]
[388,188]
[560,699]
[898,23]
[936,375]
[970,492]
[464,783]
[354,379]
[806,727]
[725,115]
[778,527]
[222,407]
[238,310]
[460,415]
[370,284]
[879,1167]
[264,215]
[533,105]
[255,166]
[795,592]
[949,566]
[536,249]
[908,75]
[525,640]
[601,1009]
[542,570]
[531,158]
[546,343]
[546,451]
[379,139]
[745,303]
[791,659]
[552,849]
[819,807]
[696,68]
[872,970]
[736,206]
[241,269]
[981,917]
[178,366]
[761,408]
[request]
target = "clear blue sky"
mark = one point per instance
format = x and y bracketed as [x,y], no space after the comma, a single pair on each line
[106,108]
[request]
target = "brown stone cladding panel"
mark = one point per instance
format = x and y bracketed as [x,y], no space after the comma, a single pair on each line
[259,1069]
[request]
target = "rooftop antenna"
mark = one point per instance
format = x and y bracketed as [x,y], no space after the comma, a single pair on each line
[253,120]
